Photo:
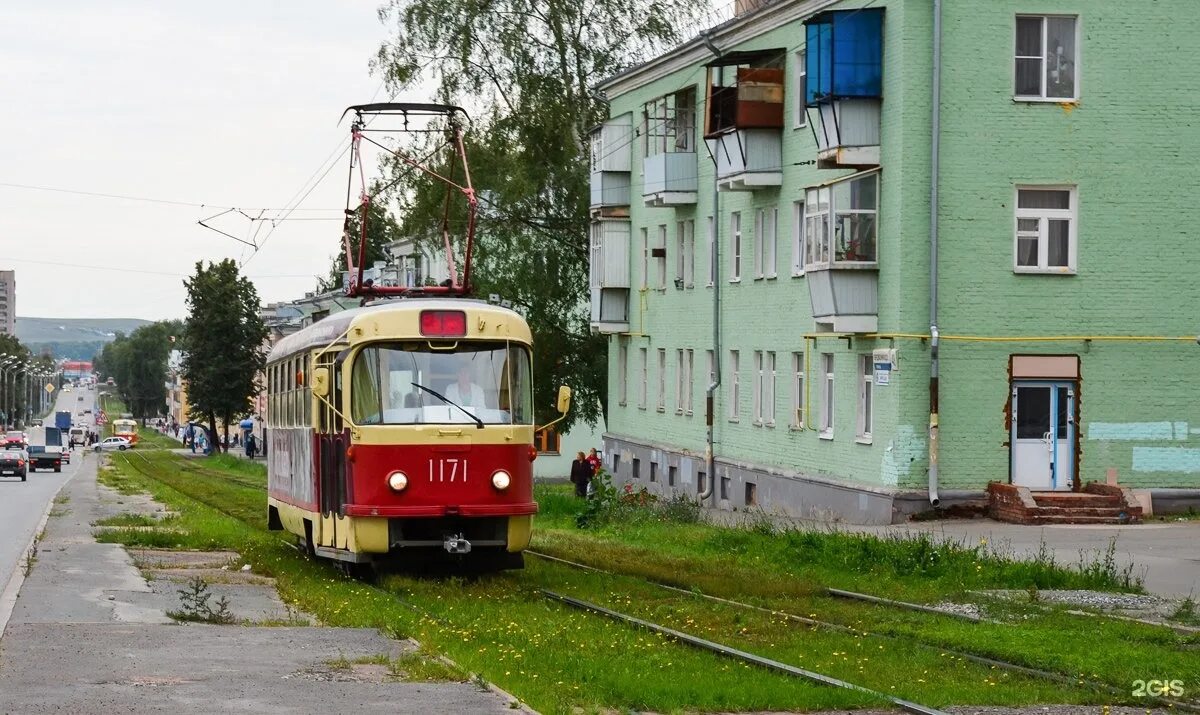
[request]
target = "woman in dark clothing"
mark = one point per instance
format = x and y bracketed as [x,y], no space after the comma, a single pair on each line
[581,475]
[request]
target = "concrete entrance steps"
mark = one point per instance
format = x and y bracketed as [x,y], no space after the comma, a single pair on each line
[1096,504]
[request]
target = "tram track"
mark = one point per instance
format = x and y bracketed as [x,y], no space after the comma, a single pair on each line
[1017,668]
[147,468]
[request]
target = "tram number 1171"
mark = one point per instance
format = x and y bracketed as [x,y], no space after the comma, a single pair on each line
[447,470]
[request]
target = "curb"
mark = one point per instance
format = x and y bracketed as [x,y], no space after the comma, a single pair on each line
[8,597]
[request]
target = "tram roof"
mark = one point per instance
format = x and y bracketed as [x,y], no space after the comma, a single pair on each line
[399,319]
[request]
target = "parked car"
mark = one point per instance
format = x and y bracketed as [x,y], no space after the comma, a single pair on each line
[15,439]
[14,463]
[111,443]
[37,423]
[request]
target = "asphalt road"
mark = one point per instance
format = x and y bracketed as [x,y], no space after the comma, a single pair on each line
[23,504]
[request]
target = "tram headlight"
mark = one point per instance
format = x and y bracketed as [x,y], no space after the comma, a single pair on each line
[397,481]
[501,479]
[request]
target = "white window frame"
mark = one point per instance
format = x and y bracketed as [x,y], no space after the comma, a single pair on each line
[680,253]
[828,396]
[689,384]
[771,242]
[712,369]
[797,421]
[759,244]
[642,392]
[734,386]
[661,405]
[679,384]
[797,238]
[645,258]
[662,260]
[866,399]
[735,247]
[712,255]
[768,399]
[623,368]
[1041,96]
[800,90]
[758,388]
[689,260]
[1044,216]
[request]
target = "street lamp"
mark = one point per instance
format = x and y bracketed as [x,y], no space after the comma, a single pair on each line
[6,366]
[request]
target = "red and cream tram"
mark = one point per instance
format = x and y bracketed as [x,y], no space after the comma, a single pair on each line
[404,430]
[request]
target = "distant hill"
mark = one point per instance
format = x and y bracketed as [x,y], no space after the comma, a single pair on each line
[70,338]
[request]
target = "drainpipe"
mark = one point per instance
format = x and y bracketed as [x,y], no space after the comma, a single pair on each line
[711,393]
[935,160]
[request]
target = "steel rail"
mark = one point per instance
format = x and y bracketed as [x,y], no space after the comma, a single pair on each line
[731,652]
[878,600]
[827,625]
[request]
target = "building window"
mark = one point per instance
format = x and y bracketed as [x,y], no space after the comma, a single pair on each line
[797,238]
[654,471]
[548,441]
[680,253]
[758,387]
[672,474]
[645,379]
[691,388]
[623,368]
[662,380]
[771,240]
[700,477]
[645,259]
[865,398]
[768,390]
[797,390]
[689,253]
[1047,55]
[637,468]
[827,396]
[680,388]
[670,123]
[850,207]
[734,392]
[759,246]
[735,247]
[660,256]
[712,255]
[712,368]
[799,87]
[751,494]
[1045,233]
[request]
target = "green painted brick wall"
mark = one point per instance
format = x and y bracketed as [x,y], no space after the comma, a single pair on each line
[1125,145]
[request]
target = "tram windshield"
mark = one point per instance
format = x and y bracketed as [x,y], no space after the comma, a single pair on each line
[481,382]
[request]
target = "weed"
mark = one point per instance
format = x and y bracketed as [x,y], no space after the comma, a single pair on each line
[1186,612]
[427,667]
[607,505]
[196,607]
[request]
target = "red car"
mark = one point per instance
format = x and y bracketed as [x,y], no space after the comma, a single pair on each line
[16,438]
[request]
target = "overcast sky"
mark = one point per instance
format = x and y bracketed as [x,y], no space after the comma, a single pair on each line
[216,102]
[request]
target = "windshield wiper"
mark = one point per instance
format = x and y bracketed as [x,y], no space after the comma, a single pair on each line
[443,398]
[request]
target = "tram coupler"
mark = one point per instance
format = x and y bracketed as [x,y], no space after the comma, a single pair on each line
[456,544]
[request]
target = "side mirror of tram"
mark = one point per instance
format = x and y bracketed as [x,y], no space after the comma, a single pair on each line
[564,399]
[320,381]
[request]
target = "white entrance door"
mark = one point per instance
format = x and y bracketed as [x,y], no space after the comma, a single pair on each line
[1043,435]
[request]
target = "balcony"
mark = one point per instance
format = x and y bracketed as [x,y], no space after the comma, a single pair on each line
[669,179]
[669,167]
[744,125]
[844,84]
[840,253]
[609,275]
[611,153]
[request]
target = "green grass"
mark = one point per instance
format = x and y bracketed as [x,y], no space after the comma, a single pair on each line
[559,659]
[131,520]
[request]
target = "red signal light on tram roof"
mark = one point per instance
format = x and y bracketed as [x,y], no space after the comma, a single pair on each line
[443,323]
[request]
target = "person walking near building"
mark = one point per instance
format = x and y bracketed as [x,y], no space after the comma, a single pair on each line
[250,446]
[581,475]
[594,460]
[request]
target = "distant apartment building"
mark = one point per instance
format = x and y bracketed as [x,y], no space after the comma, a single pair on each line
[8,302]
[888,307]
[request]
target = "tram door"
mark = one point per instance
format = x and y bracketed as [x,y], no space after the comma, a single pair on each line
[331,446]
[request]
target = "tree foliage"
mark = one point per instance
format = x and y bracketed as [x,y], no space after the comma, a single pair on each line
[382,229]
[224,338]
[138,365]
[525,68]
[16,386]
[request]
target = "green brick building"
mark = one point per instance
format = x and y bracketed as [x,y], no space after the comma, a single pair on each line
[795,143]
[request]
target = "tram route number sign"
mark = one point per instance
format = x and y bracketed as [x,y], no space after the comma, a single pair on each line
[449,469]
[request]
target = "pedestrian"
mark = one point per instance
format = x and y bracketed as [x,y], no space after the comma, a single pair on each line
[235,439]
[581,475]
[250,446]
[594,460]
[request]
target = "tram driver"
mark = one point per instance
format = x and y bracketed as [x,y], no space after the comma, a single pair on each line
[465,391]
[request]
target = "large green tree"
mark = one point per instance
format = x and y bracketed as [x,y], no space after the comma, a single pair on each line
[223,339]
[526,68]
[138,364]
[16,386]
